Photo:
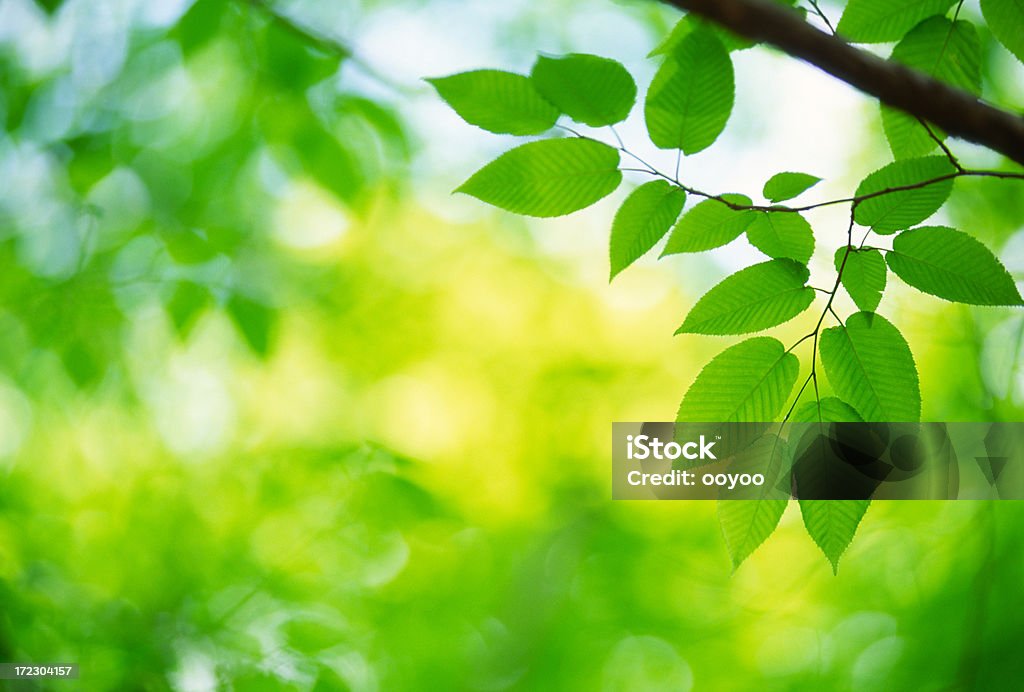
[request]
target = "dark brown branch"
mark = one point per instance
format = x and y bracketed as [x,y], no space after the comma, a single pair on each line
[957,112]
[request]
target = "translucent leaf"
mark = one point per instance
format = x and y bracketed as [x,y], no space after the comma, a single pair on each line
[752,516]
[1006,20]
[690,23]
[782,235]
[832,524]
[497,101]
[893,211]
[832,410]
[950,52]
[186,304]
[551,177]
[752,299]
[748,382]
[589,89]
[952,265]
[870,366]
[863,276]
[877,21]
[710,224]
[691,97]
[642,220]
[783,186]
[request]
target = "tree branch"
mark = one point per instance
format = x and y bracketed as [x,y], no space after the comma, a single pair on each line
[956,111]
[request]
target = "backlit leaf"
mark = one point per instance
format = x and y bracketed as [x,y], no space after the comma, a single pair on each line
[863,276]
[886,212]
[551,177]
[870,366]
[752,299]
[748,382]
[497,101]
[710,224]
[691,96]
[589,89]
[783,186]
[832,524]
[642,220]
[951,264]
[782,235]
[876,21]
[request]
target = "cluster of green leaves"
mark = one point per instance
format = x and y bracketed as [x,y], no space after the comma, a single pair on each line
[867,361]
[200,241]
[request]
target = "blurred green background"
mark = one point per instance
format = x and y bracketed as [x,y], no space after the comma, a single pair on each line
[278,412]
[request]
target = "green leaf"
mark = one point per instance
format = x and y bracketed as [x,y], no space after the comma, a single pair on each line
[783,186]
[752,513]
[863,276]
[186,305]
[497,101]
[691,97]
[893,211]
[690,23]
[870,366]
[952,265]
[833,410]
[1006,20]
[783,235]
[748,382]
[254,320]
[710,224]
[832,524]
[589,89]
[877,21]
[642,220]
[752,299]
[552,177]
[951,52]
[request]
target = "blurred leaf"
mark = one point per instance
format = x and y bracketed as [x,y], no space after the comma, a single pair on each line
[876,21]
[782,235]
[1006,20]
[894,211]
[199,24]
[49,6]
[255,321]
[752,299]
[497,101]
[832,524]
[710,224]
[589,89]
[863,276]
[748,382]
[691,97]
[291,62]
[551,177]
[947,51]
[952,265]
[187,245]
[832,410]
[642,220]
[783,186]
[870,366]
[186,305]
